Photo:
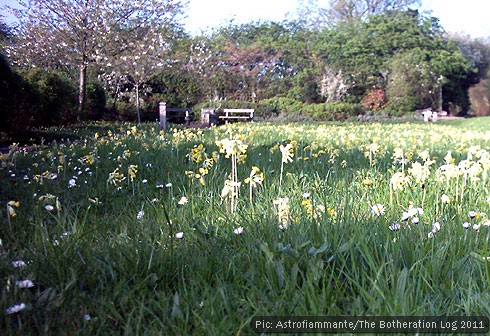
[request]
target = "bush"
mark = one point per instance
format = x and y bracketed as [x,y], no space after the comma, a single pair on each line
[95,105]
[272,107]
[56,98]
[374,99]
[333,111]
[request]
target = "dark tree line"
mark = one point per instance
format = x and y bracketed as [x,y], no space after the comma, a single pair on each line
[393,60]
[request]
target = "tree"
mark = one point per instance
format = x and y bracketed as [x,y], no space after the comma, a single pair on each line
[148,51]
[74,33]
[349,11]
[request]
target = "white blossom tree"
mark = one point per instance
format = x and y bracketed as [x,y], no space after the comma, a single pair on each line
[76,33]
[333,85]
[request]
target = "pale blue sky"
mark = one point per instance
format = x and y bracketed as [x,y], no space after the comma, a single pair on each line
[468,16]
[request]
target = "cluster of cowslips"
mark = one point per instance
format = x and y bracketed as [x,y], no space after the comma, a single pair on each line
[199,155]
[235,149]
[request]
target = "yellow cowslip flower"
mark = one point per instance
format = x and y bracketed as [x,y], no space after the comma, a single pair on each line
[332,212]
[230,189]
[232,147]
[399,180]
[115,177]
[198,153]
[283,211]
[11,205]
[306,203]
[132,170]
[287,152]
[256,177]
[420,172]
[367,182]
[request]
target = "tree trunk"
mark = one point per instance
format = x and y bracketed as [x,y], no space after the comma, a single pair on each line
[138,103]
[81,91]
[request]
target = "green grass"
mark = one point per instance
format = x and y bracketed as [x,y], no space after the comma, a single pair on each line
[95,257]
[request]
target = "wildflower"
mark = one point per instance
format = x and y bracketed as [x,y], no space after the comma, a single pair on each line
[179,235]
[168,185]
[145,181]
[367,182]
[473,214]
[419,172]
[24,284]
[140,215]
[183,200]
[378,209]
[238,230]
[445,199]
[466,225]
[430,234]
[159,186]
[282,211]
[256,177]
[306,195]
[11,208]
[87,317]
[307,205]
[132,170]
[399,180]
[232,147]
[49,207]
[16,308]
[72,183]
[476,227]
[287,153]
[436,227]
[230,189]
[18,264]
[394,227]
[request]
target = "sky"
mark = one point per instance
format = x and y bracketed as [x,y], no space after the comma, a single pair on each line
[469,16]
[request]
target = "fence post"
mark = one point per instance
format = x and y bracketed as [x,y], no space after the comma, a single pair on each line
[162,108]
[208,117]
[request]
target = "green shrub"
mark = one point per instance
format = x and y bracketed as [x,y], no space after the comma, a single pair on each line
[56,98]
[95,105]
[333,111]
[273,107]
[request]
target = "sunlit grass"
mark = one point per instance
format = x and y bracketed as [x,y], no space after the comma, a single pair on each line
[131,230]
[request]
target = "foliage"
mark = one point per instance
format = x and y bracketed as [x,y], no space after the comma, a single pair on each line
[56,97]
[374,99]
[75,34]
[278,105]
[332,111]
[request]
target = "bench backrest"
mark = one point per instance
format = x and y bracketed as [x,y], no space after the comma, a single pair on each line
[231,112]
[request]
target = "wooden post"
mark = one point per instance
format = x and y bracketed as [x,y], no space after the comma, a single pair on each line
[208,117]
[162,108]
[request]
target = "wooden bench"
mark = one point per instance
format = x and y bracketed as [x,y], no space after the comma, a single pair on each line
[237,114]
[176,115]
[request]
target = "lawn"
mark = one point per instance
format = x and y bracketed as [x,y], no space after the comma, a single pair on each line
[124,229]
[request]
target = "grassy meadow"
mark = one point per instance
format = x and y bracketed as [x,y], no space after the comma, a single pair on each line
[129,230]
